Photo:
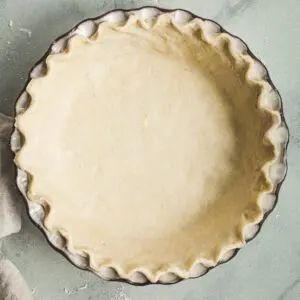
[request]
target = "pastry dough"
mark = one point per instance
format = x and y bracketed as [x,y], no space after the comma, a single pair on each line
[148,143]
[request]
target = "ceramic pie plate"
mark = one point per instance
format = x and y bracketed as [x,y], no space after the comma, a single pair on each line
[162,242]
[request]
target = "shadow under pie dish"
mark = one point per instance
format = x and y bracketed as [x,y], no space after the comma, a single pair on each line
[149,145]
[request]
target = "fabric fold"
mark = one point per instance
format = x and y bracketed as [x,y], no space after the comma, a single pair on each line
[10,214]
[12,284]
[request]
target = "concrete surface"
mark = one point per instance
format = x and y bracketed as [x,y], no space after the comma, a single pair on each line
[268,268]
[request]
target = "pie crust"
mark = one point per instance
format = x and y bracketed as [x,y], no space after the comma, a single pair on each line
[150,145]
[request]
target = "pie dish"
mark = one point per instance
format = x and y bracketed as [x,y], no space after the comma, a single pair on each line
[150,145]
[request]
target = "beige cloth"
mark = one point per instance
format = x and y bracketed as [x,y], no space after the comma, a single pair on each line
[12,285]
[10,219]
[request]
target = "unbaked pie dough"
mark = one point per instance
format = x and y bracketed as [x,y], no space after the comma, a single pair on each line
[147,141]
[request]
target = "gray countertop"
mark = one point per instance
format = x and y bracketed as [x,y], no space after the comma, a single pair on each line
[266,268]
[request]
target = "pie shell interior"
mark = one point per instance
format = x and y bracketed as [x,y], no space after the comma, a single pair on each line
[209,200]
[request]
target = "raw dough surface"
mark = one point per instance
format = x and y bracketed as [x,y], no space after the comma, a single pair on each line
[147,144]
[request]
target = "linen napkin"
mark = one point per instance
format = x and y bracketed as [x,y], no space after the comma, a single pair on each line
[12,284]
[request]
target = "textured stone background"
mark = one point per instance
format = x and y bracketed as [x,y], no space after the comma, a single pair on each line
[268,268]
